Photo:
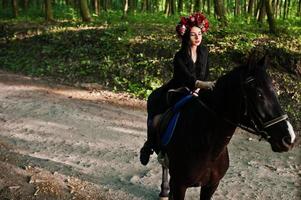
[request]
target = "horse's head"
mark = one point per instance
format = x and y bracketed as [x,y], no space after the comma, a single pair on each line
[262,111]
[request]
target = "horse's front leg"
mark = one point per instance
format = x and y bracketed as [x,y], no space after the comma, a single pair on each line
[207,191]
[177,191]
[165,184]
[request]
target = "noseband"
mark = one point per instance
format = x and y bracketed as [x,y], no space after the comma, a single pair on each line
[254,116]
[251,113]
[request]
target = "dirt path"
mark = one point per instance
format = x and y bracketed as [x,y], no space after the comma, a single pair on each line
[84,145]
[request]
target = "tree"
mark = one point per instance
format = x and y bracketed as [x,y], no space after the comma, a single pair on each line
[250,6]
[197,5]
[261,11]
[48,11]
[208,7]
[96,6]
[84,10]
[299,9]
[220,12]
[125,8]
[180,6]
[237,8]
[285,8]
[145,6]
[15,8]
[271,20]
[25,5]
[169,7]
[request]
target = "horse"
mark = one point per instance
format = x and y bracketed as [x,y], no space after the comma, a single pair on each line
[197,153]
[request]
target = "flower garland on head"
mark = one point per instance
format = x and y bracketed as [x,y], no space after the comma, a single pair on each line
[196,19]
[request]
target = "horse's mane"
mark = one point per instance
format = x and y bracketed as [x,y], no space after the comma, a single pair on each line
[215,101]
[226,82]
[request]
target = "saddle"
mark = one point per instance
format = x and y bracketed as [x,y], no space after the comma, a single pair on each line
[165,123]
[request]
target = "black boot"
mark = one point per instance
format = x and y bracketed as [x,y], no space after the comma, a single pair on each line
[145,152]
[148,146]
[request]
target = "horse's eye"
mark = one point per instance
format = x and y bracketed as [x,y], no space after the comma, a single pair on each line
[260,95]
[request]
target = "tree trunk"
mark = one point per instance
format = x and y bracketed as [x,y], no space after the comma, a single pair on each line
[299,9]
[169,7]
[237,8]
[255,8]
[25,5]
[250,7]
[15,8]
[97,7]
[242,7]
[209,7]
[105,5]
[227,8]
[125,8]
[4,4]
[262,11]
[172,7]
[180,6]
[197,5]
[271,20]
[131,5]
[284,9]
[273,7]
[48,11]
[84,10]
[166,7]
[288,8]
[190,7]
[220,12]
[144,5]
[277,8]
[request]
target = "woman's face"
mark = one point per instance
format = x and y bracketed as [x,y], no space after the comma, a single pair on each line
[195,36]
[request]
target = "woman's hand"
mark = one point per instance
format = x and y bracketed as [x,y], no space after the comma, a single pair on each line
[208,85]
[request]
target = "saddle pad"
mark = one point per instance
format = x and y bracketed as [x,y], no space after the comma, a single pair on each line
[170,127]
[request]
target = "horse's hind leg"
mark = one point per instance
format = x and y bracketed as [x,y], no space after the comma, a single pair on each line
[165,185]
[207,191]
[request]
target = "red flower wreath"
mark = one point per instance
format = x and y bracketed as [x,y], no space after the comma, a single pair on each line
[196,19]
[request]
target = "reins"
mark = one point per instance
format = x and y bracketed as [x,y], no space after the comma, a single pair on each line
[225,119]
[255,130]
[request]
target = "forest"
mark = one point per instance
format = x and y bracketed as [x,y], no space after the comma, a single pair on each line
[128,45]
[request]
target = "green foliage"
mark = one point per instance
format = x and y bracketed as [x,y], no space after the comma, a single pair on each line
[135,55]
[65,12]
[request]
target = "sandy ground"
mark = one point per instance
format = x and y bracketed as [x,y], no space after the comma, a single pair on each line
[60,142]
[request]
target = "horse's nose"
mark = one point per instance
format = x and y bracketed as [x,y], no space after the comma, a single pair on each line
[287,141]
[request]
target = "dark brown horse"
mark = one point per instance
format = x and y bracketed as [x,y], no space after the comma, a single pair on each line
[198,154]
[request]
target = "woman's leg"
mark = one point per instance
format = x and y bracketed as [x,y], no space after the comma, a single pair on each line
[156,104]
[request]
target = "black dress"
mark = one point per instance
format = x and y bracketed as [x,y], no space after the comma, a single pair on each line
[185,74]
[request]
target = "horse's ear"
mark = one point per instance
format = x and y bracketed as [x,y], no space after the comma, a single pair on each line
[263,63]
[253,64]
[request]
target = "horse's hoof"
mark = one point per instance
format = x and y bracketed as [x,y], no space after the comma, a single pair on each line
[163,198]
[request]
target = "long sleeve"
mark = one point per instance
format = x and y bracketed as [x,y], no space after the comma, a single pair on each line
[202,67]
[184,74]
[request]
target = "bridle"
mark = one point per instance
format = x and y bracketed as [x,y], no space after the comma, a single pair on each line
[250,112]
[254,116]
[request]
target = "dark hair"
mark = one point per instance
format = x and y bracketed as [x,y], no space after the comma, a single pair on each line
[186,43]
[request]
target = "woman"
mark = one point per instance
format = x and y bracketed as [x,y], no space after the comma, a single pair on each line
[190,71]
